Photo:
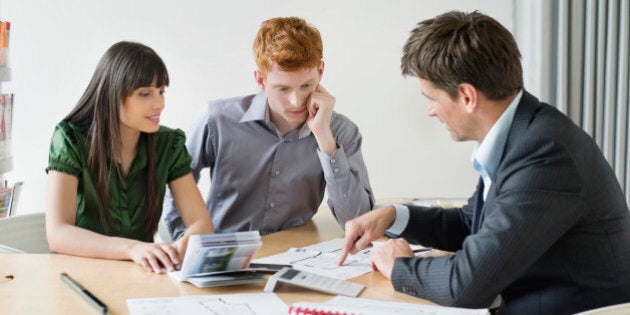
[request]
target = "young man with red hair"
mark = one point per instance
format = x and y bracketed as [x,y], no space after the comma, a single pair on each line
[272,155]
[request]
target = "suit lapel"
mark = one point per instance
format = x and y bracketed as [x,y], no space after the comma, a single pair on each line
[524,113]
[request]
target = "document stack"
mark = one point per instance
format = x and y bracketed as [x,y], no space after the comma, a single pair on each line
[220,259]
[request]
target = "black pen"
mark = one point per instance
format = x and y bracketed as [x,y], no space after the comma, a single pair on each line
[420,250]
[274,267]
[85,294]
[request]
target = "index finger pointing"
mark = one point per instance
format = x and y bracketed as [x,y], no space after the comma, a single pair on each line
[348,243]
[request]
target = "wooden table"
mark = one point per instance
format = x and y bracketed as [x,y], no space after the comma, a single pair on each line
[36,287]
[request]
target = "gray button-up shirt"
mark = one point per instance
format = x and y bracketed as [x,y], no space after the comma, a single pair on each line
[263,181]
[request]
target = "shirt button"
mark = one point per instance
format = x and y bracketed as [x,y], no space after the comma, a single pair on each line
[336,170]
[332,160]
[345,195]
[277,172]
[272,204]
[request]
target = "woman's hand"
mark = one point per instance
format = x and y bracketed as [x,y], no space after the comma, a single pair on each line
[155,257]
[180,246]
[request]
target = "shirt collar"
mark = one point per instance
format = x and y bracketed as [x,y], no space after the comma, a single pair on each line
[259,111]
[487,154]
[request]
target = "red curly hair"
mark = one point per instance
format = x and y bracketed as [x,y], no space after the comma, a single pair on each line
[290,42]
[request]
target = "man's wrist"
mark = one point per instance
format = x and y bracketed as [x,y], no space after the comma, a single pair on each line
[390,215]
[326,143]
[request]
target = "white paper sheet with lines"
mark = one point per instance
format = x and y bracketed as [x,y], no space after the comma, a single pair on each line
[322,258]
[228,304]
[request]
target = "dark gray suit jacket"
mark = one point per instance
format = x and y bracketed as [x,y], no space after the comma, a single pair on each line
[553,236]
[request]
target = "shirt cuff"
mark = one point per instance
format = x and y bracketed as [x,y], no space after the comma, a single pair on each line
[335,164]
[402,219]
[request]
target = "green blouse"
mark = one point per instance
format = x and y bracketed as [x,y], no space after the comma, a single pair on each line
[69,149]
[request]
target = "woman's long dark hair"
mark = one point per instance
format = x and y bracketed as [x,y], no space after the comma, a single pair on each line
[125,67]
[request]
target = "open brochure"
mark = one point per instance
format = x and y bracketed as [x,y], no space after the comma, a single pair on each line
[220,259]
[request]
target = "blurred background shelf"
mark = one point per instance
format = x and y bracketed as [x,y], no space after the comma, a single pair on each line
[5,73]
[6,164]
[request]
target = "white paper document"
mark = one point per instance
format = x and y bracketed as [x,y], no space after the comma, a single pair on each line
[229,304]
[322,259]
[347,305]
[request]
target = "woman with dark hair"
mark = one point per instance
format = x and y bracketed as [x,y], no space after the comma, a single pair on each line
[110,161]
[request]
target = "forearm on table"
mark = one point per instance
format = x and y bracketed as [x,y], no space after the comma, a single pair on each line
[63,240]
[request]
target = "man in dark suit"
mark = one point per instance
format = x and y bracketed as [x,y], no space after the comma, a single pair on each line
[548,228]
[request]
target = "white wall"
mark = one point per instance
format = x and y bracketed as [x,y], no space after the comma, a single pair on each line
[56,44]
